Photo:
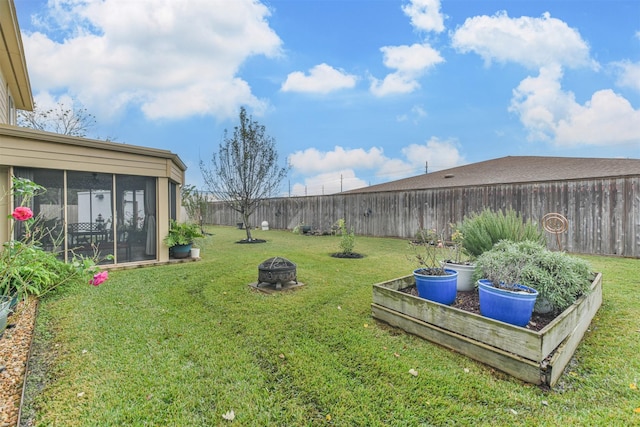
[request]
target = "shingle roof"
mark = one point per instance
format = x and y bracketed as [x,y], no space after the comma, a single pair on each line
[513,169]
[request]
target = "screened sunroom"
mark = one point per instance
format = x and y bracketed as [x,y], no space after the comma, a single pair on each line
[117,199]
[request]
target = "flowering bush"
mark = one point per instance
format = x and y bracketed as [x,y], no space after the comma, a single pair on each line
[22,213]
[25,267]
[99,278]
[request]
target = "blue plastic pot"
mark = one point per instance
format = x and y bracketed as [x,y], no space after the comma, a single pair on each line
[441,289]
[506,306]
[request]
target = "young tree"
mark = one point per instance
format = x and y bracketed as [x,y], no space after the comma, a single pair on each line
[195,203]
[74,121]
[245,170]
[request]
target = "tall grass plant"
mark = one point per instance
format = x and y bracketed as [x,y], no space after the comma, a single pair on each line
[483,230]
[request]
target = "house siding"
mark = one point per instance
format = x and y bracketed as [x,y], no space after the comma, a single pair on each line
[4,100]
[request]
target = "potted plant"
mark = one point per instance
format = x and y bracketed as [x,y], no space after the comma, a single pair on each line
[559,278]
[180,238]
[529,271]
[502,295]
[433,281]
[195,248]
[460,261]
[302,228]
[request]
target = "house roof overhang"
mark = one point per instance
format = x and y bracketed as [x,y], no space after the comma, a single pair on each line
[12,59]
[54,138]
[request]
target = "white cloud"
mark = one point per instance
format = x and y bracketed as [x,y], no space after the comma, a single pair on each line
[332,170]
[628,74]
[312,160]
[173,60]
[548,112]
[425,15]
[410,63]
[607,119]
[531,42]
[321,79]
[551,114]
[328,183]
[435,153]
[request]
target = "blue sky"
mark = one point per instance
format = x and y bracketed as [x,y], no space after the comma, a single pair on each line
[355,92]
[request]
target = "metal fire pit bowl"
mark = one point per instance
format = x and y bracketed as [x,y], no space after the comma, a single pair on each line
[277,271]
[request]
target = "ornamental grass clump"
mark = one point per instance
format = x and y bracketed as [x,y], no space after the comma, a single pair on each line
[483,230]
[559,278]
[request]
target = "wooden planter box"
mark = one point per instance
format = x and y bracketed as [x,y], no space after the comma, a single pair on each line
[535,357]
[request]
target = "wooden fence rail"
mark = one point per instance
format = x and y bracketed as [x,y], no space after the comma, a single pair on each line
[603,214]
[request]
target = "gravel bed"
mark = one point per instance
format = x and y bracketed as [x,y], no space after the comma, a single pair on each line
[14,353]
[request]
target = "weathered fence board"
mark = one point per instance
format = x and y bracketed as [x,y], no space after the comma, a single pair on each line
[603,214]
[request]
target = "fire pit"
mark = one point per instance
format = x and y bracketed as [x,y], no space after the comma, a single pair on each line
[277,271]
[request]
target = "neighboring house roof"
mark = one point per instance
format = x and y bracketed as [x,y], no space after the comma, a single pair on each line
[511,170]
[12,60]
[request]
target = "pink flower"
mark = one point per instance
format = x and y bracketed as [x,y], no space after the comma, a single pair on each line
[22,213]
[99,278]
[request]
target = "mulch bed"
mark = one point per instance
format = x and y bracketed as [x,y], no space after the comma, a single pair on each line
[350,255]
[470,301]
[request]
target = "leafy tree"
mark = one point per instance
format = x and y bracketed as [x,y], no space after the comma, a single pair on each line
[245,170]
[74,121]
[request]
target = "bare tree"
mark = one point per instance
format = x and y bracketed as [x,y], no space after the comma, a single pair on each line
[245,170]
[74,121]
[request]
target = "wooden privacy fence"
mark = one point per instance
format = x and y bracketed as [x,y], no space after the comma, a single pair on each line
[603,214]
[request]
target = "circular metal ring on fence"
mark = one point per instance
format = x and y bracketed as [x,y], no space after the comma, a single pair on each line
[555,223]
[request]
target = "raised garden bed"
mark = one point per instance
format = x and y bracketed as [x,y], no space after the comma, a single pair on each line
[537,357]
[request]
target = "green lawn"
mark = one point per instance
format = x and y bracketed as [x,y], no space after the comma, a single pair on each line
[182,345]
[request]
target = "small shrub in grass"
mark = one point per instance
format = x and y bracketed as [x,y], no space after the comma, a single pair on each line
[347,238]
[483,230]
[558,277]
[347,241]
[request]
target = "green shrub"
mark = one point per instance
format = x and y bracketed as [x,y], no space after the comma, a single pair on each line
[347,238]
[182,233]
[558,277]
[482,231]
[29,270]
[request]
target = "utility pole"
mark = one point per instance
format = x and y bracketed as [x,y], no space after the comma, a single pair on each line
[341,183]
[426,167]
